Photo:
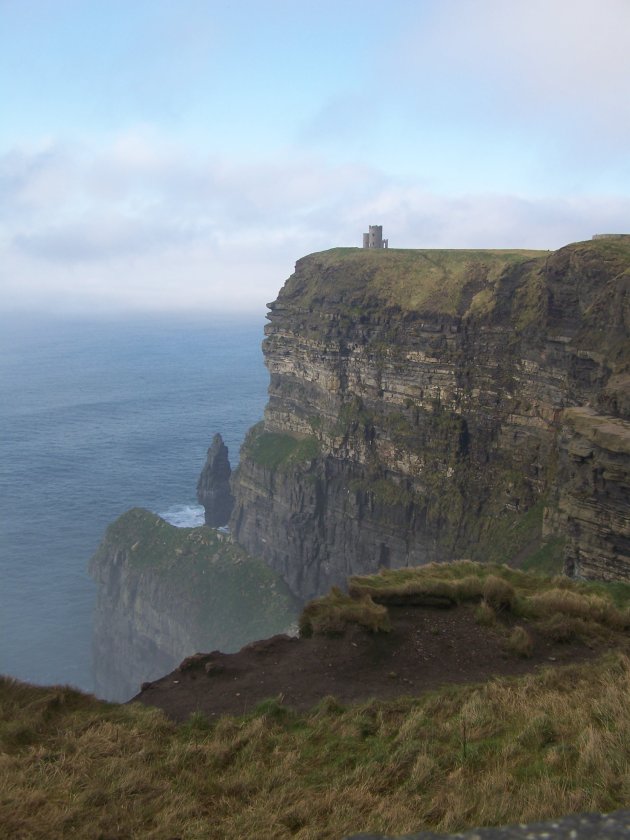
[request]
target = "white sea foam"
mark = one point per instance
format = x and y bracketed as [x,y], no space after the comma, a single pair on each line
[184,516]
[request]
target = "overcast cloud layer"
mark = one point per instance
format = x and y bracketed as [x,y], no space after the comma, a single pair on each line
[163,160]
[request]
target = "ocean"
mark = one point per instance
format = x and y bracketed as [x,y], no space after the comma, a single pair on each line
[96,417]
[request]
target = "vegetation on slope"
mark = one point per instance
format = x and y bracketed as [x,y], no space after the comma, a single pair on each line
[523,605]
[507,751]
[275,449]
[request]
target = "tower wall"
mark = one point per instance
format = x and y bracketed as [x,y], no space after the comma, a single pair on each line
[376,236]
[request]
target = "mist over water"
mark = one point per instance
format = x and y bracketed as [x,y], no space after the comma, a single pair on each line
[95,418]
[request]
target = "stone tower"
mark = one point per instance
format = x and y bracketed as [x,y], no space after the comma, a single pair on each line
[374,238]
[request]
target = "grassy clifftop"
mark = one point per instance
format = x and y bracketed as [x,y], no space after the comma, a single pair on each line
[441,281]
[464,282]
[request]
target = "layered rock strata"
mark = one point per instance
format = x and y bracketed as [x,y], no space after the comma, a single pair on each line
[418,411]
[594,494]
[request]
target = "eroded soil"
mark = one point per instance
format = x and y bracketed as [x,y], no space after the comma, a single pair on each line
[426,648]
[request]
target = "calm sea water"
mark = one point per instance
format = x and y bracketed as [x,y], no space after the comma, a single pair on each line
[95,418]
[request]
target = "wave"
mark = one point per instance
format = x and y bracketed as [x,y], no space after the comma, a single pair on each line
[184,516]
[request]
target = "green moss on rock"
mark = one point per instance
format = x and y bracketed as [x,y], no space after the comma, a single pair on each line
[275,449]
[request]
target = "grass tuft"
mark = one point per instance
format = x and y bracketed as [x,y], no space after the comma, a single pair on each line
[485,615]
[520,642]
[410,586]
[331,614]
[587,607]
[273,709]
[498,593]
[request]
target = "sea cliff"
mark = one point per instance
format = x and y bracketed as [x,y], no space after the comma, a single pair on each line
[426,405]
[166,592]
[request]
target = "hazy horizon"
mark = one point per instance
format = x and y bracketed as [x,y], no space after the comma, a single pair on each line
[180,158]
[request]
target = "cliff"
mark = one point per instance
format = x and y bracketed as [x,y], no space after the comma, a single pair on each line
[421,407]
[165,593]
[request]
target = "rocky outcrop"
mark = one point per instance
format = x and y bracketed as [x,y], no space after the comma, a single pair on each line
[613,826]
[594,494]
[416,410]
[165,593]
[213,487]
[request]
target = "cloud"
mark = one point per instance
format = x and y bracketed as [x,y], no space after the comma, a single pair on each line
[341,118]
[99,238]
[34,178]
[138,224]
[555,69]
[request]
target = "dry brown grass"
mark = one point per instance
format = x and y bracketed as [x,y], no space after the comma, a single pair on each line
[485,615]
[498,593]
[555,608]
[586,607]
[520,642]
[414,588]
[331,614]
[503,752]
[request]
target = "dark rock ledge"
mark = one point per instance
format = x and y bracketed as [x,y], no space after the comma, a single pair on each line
[573,827]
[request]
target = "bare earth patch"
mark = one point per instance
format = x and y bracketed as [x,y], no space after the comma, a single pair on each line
[425,649]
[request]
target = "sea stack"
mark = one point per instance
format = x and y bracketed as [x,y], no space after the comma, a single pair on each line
[213,487]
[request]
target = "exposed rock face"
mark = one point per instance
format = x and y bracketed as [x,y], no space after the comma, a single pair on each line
[213,487]
[165,593]
[594,494]
[417,411]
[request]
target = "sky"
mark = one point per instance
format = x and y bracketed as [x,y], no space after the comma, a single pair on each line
[180,155]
